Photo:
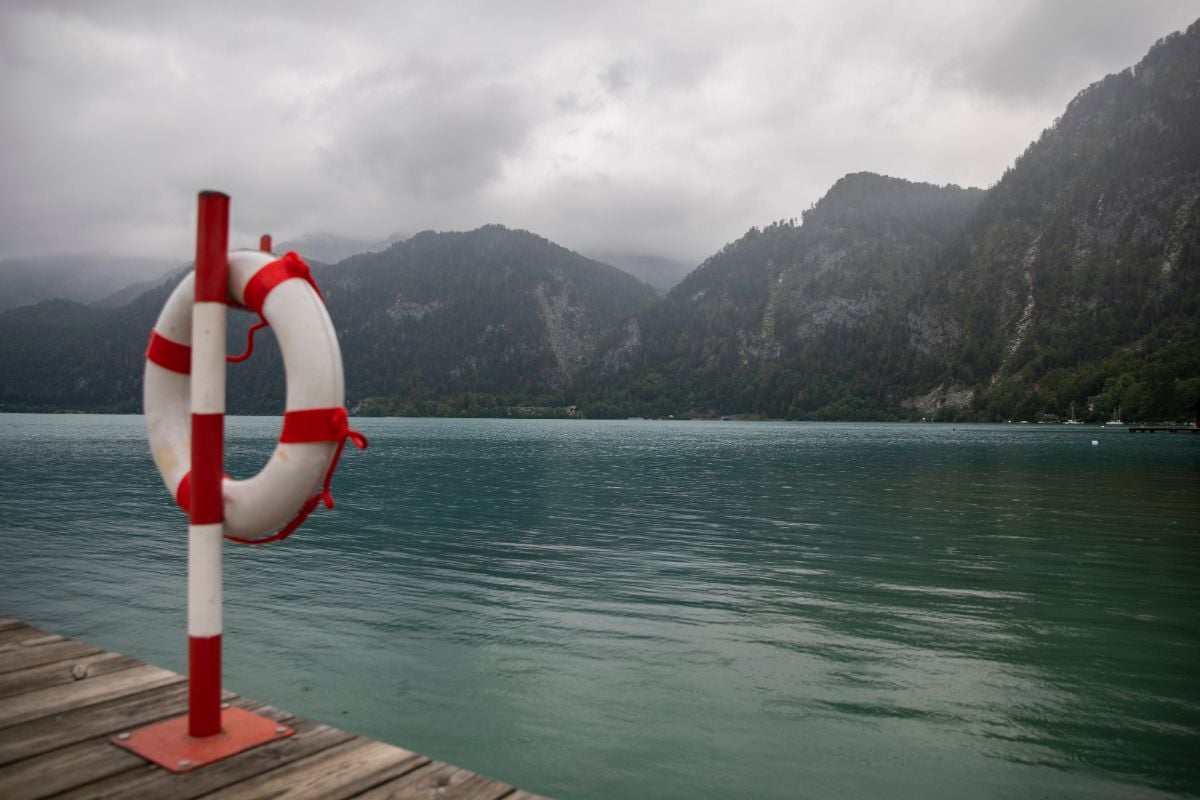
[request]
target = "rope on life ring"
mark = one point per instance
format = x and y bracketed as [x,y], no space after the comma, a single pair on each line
[316,426]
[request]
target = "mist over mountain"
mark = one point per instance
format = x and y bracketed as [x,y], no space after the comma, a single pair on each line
[660,272]
[83,278]
[1074,280]
[328,248]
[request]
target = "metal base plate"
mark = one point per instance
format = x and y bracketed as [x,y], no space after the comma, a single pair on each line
[167,743]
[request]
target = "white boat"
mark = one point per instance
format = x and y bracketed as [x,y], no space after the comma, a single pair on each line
[1116,420]
[1072,420]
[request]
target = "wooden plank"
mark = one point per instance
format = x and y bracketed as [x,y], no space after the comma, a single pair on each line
[17,658]
[310,738]
[521,794]
[441,781]
[129,776]
[9,622]
[56,699]
[26,635]
[342,771]
[58,770]
[85,764]
[102,719]
[76,669]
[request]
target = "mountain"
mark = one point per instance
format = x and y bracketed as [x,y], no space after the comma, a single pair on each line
[797,319]
[493,310]
[1080,274]
[85,279]
[488,312]
[65,354]
[1075,279]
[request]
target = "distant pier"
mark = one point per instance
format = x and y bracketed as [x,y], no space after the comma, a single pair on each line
[61,700]
[1163,429]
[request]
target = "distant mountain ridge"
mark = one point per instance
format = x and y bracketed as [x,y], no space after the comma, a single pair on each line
[1074,280]
[82,278]
[488,312]
[492,310]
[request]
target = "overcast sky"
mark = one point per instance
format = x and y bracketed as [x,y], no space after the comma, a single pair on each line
[659,128]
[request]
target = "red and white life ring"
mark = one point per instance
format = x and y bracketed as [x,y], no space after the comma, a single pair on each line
[297,476]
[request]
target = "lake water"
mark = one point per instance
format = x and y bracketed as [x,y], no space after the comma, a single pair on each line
[676,609]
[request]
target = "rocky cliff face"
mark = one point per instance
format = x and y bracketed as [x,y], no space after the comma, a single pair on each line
[492,310]
[1088,246]
[795,318]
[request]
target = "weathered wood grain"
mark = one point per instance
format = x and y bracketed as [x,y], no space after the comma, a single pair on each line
[102,719]
[62,672]
[67,767]
[440,781]
[25,636]
[342,771]
[56,699]
[18,658]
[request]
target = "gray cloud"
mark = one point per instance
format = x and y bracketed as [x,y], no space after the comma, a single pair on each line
[1038,51]
[663,127]
[426,131]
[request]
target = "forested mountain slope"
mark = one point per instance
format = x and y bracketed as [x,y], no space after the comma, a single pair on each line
[797,319]
[491,311]
[1080,274]
[1074,279]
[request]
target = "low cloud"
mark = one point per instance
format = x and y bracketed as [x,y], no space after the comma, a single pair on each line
[662,128]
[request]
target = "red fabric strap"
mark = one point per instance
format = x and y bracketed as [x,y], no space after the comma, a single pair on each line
[313,425]
[169,355]
[259,286]
[273,274]
[255,328]
[319,425]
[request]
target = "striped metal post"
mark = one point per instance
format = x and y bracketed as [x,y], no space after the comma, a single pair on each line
[208,732]
[207,508]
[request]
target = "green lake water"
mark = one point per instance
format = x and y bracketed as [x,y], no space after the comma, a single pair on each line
[676,609]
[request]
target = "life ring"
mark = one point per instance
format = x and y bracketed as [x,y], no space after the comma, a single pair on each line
[316,425]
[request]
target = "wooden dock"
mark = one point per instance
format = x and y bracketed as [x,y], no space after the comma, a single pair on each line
[1163,429]
[61,700]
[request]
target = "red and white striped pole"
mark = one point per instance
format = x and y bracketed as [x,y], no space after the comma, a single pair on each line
[206,518]
[207,733]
